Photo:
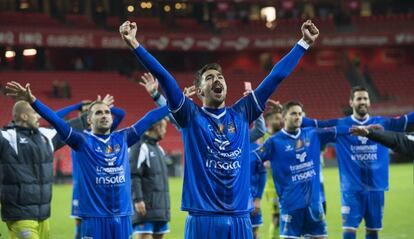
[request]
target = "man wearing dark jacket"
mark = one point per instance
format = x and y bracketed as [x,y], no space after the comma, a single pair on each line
[399,142]
[150,190]
[26,155]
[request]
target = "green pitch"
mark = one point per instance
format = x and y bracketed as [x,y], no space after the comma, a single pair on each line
[398,217]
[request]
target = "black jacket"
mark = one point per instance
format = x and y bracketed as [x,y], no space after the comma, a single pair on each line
[26,156]
[399,142]
[150,180]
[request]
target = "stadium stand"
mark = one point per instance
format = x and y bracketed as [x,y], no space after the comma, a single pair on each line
[395,83]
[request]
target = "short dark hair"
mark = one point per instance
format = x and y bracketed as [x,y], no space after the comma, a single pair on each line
[290,104]
[96,102]
[211,66]
[356,89]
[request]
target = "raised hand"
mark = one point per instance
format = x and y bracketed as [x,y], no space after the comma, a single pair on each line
[149,83]
[108,100]
[18,92]
[189,91]
[128,31]
[247,92]
[309,32]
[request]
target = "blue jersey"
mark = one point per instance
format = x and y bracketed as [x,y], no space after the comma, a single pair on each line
[295,162]
[102,170]
[363,163]
[216,151]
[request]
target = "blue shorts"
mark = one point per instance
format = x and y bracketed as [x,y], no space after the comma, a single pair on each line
[307,222]
[151,228]
[358,205]
[218,226]
[106,227]
[256,219]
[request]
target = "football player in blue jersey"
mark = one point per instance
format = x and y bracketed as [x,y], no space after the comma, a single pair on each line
[105,204]
[363,165]
[80,123]
[294,155]
[216,139]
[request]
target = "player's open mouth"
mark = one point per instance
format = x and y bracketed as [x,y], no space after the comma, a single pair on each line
[217,87]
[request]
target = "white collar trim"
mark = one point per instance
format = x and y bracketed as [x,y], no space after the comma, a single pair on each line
[98,138]
[213,115]
[359,121]
[291,135]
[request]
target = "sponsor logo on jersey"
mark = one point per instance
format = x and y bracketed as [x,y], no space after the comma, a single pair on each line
[110,175]
[110,170]
[364,157]
[303,176]
[364,152]
[110,180]
[218,164]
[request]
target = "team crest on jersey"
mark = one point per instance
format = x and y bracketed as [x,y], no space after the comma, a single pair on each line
[299,144]
[220,129]
[231,128]
[108,149]
[117,148]
[216,131]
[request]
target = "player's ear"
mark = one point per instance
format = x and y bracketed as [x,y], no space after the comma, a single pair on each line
[24,116]
[350,103]
[88,119]
[200,93]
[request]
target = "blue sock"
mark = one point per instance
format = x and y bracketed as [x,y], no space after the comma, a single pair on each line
[371,235]
[349,235]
